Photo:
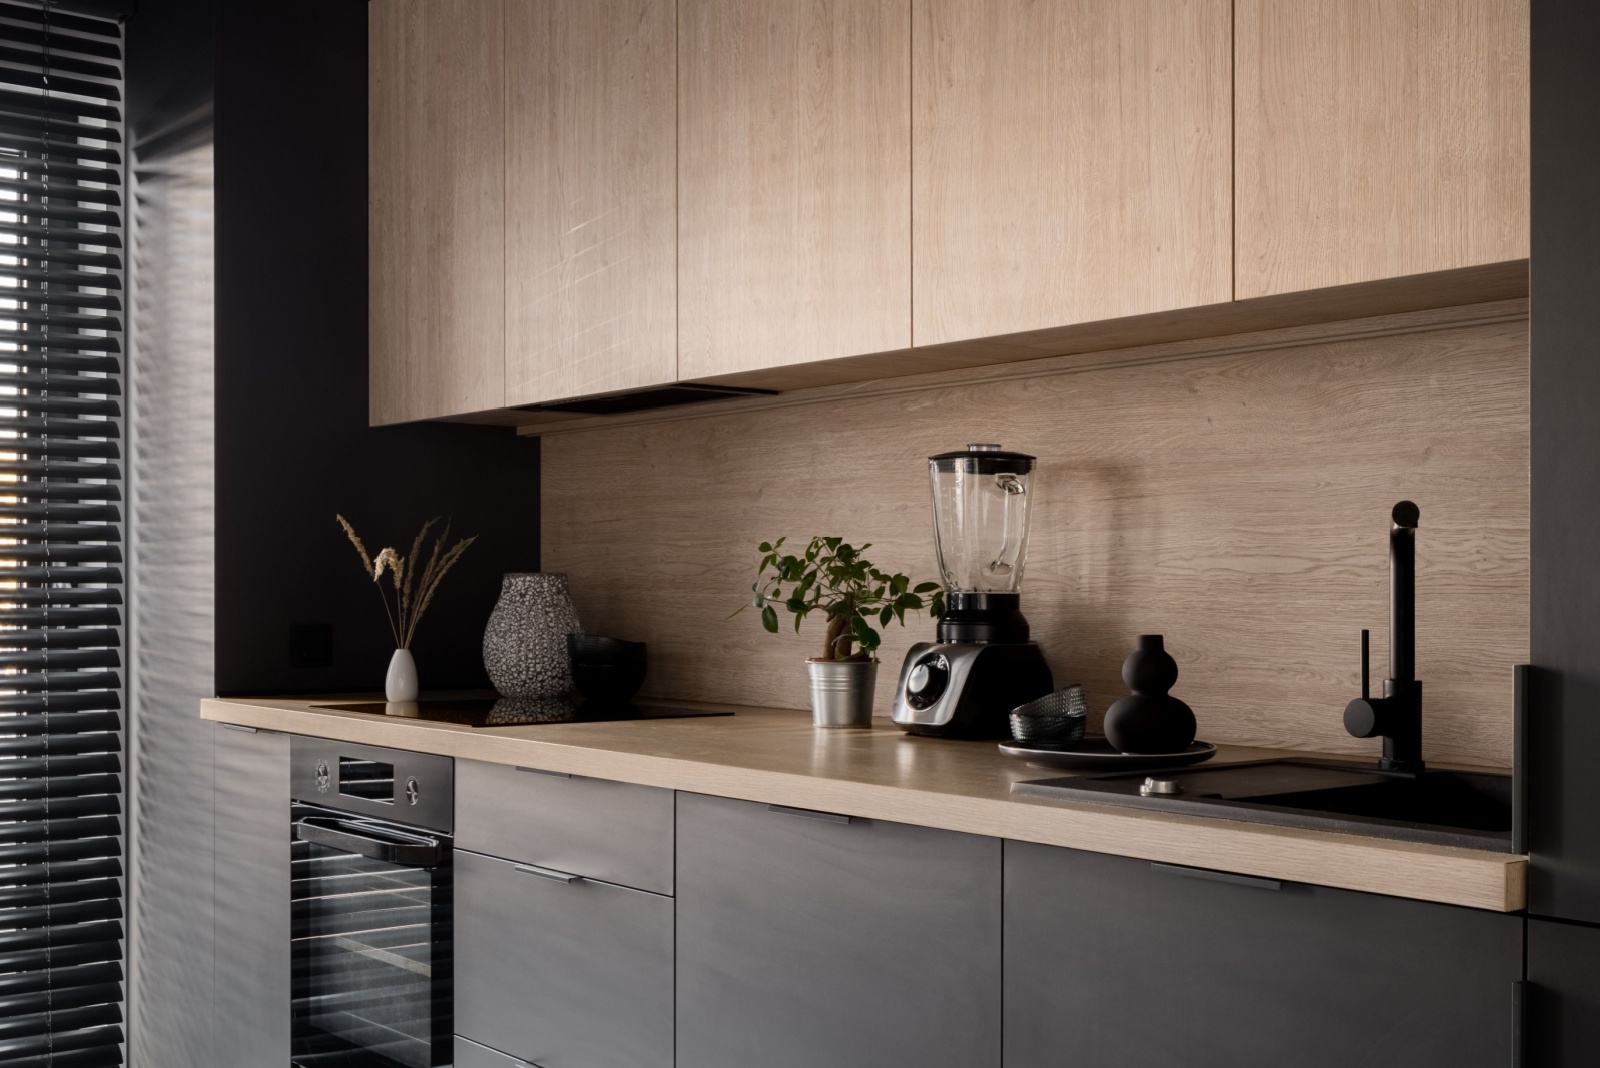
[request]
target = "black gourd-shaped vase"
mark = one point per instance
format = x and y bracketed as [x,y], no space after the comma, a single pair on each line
[1149,720]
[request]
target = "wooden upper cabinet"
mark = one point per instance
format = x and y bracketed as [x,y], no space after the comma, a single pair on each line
[1072,162]
[1379,138]
[591,272]
[794,208]
[436,307]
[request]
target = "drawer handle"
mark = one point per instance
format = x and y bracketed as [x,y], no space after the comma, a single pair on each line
[240,727]
[548,873]
[810,814]
[1218,876]
[542,771]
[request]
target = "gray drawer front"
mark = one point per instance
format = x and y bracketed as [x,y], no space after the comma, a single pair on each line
[469,1054]
[807,941]
[564,975]
[1118,963]
[612,831]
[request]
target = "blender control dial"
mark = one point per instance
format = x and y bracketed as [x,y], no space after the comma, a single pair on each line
[927,680]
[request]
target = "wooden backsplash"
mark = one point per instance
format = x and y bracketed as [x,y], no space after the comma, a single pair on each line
[1231,496]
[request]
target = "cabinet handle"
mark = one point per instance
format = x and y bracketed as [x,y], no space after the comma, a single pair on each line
[1218,876]
[548,873]
[542,771]
[810,814]
[240,727]
[1518,1034]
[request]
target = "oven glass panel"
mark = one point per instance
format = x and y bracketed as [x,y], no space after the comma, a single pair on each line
[371,949]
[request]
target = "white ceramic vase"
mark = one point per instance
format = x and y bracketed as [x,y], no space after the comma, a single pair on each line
[525,642]
[401,682]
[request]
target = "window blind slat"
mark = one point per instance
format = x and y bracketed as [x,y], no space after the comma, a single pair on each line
[61,876]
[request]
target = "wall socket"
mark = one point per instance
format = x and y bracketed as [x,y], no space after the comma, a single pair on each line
[310,645]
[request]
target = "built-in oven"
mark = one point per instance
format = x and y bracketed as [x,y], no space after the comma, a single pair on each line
[370,834]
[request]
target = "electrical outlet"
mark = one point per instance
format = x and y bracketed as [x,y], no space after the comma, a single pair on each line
[310,645]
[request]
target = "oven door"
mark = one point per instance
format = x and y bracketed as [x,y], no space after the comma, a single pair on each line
[371,950]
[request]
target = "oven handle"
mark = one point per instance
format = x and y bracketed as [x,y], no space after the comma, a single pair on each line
[395,847]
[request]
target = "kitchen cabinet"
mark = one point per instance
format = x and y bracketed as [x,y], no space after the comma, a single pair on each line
[436,208]
[555,968]
[469,1054]
[794,214]
[252,923]
[1378,138]
[808,939]
[590,182]
[617,832]
[1072,162]
[1562,1000]
[1111,961]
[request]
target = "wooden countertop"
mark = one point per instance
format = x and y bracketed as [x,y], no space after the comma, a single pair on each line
[777,757]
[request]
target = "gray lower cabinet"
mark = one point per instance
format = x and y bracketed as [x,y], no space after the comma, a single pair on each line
[561,972]
[614,831]
[252,930]
[1118,963]
[1563,995]
[805,940]
[469,1054]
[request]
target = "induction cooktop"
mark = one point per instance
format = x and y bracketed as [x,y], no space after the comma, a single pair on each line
[517,711]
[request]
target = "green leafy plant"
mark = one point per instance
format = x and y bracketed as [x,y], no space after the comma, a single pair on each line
[834,578]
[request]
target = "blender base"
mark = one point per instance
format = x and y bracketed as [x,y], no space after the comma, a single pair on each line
[968,689]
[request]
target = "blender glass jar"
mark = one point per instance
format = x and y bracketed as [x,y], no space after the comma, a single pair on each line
[981,509]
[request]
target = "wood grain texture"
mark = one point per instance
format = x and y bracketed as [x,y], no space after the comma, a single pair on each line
[1071,162]
[591,158]
[1237,503]
[1494,293]
[794,137]
[1378,138]
[436,262]
[779,758]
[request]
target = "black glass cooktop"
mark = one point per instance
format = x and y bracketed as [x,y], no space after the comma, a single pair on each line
[517,711]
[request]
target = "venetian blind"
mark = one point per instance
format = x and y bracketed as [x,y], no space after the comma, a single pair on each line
[60,539]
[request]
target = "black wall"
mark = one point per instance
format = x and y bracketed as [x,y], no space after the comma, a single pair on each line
[293,446]
[1564,723]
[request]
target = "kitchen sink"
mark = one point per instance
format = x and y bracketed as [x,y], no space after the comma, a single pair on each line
[1461,808]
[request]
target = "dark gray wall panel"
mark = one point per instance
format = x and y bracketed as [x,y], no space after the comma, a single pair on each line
[293,445]
[1564,723]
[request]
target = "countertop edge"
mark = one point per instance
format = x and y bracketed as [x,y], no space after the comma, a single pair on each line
[1442,874]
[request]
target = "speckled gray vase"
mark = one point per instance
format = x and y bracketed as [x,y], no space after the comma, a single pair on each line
[525,643]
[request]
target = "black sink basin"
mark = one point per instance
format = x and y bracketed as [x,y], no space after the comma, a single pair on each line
[1471,809]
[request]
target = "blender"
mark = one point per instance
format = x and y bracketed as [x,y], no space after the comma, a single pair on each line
[983,665]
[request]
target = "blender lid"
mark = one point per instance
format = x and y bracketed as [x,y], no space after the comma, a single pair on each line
[984,459]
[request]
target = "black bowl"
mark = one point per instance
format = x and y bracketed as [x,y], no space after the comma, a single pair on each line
[607,670]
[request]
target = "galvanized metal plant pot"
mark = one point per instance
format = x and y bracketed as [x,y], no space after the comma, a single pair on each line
[841,692]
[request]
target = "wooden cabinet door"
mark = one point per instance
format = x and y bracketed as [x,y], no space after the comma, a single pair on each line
[808,939]
[1119,963]
[1378,138]
[591,242]
[1072,162]
[794,208]
[436,174]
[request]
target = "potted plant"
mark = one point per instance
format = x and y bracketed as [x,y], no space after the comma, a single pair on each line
[836,579]
[413,583]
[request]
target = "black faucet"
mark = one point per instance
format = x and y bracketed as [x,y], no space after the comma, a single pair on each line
[1397,715]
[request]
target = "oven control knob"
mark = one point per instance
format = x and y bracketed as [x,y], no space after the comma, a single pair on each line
[324,780]
[927,681]
[413,793]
